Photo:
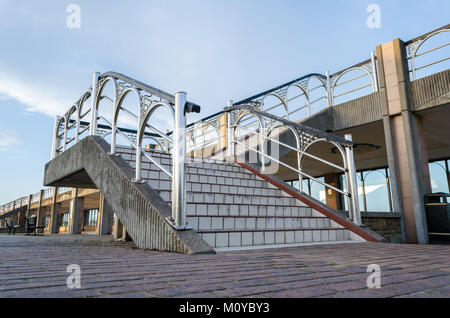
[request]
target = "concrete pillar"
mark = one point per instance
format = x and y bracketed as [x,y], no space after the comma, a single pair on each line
[105,217]
[29,205]
[405,142]
[76,208]
[333,198]
[53,226]
[118,229]
[40,211]
[22,217]
[120,233]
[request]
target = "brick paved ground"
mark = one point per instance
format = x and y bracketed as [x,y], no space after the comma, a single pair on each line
[36,267]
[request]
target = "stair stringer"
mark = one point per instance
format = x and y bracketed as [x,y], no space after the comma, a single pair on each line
[139,207]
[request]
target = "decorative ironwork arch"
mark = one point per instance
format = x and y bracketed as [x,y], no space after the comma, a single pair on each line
[356,68]
[417,45]
[281,99]
[305,93]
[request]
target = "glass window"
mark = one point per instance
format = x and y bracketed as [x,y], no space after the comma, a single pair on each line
[376,191]
[47,220]
[91,218]
[438,176]
[318,190]
[64,219]
[375,196]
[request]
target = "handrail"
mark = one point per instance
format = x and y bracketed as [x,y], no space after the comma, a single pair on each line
[309,130]
[305,137]
[149,100]
[415,45]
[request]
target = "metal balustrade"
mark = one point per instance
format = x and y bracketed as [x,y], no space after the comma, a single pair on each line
[418,53]
[315,88]
[305,137]
[292,101]
[149,99]
[18,203]
[35,197]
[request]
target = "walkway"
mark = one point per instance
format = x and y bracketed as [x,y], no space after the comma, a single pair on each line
[36,267]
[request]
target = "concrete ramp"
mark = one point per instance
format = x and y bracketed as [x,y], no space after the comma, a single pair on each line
[139,207]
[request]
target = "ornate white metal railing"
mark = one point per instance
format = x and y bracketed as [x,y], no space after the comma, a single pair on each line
[295,100]
[240,146]
[72,127]
[317,90]
[35,197]
[18,203]
[418,53]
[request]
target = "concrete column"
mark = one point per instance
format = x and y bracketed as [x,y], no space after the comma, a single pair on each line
[54,212]
[405,142]
[22,217]
[120,233]
[40,211]
[333,198]
[105,217]
[118,229]
[29,205]
[76,208]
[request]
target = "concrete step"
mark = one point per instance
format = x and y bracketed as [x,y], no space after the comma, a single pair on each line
[229,206]
[221,198]
[226,238]
[217,209]
[208,222]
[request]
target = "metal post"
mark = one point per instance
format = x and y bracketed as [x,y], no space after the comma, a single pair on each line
[329,97]
[138,150]
[55,139]
[388,185]
[353,185]
[374,71]
[77,127]
[178,220]
[114,130]
[93,127]
[230,132]
[65,133]
[363,188]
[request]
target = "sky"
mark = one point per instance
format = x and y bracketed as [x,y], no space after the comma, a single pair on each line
[214,50]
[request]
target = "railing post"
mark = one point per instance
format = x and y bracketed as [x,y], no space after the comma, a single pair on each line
[329,95]
[93,127]
[374,71]
[66,124]
[55,139]
[138,149]
[179,164]
[353,185]
[230,133]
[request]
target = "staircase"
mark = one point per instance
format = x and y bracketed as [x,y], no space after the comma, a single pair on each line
[230,206]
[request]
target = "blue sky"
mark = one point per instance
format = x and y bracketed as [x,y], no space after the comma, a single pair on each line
[212,49]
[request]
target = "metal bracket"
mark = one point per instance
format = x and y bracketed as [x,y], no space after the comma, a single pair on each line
[171,222]
[137,181]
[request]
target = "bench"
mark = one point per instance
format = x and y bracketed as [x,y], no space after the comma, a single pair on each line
[11,227]
[32,226]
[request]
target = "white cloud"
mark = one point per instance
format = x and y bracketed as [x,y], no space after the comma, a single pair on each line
[8,138]
[32,95]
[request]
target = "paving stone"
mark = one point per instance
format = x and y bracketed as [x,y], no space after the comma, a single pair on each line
[112,269]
